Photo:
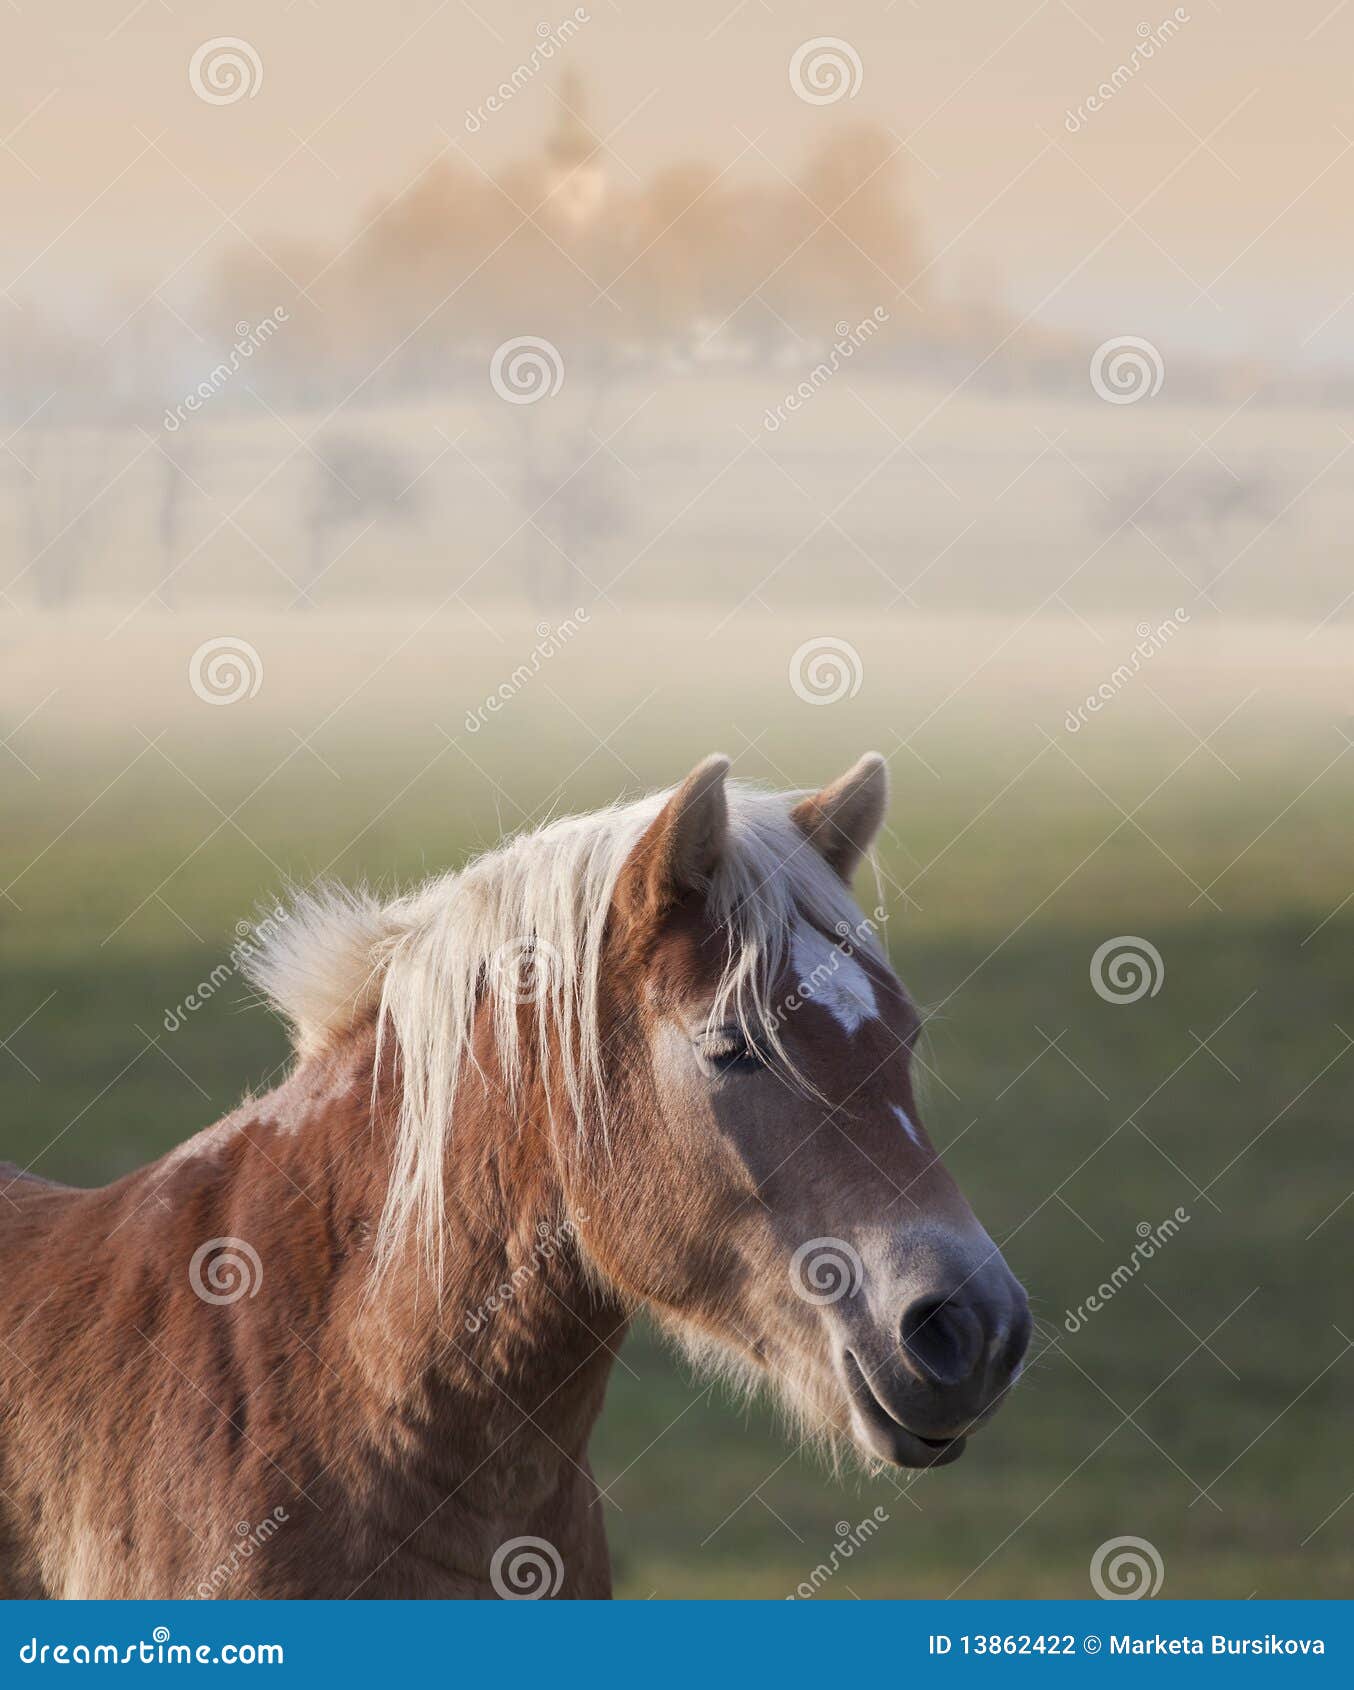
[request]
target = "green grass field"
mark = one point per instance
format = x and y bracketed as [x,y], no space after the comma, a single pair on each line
[1204,1408]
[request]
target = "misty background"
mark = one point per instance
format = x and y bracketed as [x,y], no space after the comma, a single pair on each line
[321,264]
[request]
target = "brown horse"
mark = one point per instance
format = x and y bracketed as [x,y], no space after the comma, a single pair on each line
[352,1339]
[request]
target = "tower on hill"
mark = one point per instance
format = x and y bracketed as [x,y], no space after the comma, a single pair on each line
[575,172]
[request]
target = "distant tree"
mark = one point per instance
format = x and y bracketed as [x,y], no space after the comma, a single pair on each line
[65,468]
[686,232]
[860,244]
[64,415]
[1202,516]
[575,495]
[354,483]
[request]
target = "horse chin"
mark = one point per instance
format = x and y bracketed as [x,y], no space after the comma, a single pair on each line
[809,1391]
[898,1447]
[884,1437]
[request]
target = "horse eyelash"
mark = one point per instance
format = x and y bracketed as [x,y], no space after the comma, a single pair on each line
[729,1048]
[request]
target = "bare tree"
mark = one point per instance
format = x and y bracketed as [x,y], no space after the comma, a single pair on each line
[355,483]
[1200,516]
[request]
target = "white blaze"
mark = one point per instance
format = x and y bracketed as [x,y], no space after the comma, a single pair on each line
[830,978]
[906,1124]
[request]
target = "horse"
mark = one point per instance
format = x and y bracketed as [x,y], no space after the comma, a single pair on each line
[352,1340]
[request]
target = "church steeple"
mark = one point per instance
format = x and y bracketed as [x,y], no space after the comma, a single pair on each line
[577,178]
[570,143]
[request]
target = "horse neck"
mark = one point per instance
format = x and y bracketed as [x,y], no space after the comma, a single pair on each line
[513,1336]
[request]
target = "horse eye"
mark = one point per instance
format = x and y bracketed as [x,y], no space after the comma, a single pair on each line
[727,1051]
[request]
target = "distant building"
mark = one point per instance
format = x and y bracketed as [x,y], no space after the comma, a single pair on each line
[575,174]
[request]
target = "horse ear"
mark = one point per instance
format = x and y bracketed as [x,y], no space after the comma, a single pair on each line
[680,847]
[841,821]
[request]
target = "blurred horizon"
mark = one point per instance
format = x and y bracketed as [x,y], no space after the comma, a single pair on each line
[763,361]
[1210,166]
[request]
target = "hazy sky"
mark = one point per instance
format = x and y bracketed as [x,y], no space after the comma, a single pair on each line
[1224,162]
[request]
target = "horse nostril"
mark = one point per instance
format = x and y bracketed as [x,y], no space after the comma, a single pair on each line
[1018,1338]
[943,1339]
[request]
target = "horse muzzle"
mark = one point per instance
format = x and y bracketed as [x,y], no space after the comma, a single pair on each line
[919,1387]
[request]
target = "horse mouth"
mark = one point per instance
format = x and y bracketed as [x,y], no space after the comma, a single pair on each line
[885,1435]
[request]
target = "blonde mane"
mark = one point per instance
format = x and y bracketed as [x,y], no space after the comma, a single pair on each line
[525,924]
